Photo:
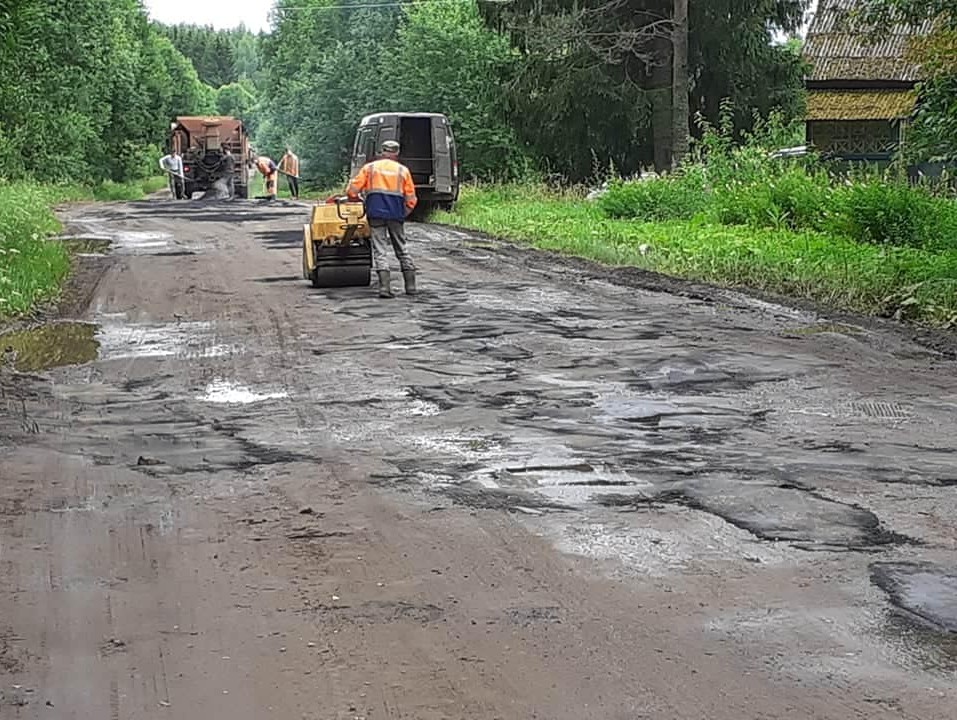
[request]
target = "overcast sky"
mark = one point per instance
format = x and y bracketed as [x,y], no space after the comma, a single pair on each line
[218,13]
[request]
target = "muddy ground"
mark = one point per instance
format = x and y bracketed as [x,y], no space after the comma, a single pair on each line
[537,490]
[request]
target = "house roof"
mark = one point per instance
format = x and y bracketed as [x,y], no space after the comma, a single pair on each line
[839,51]
[860,104]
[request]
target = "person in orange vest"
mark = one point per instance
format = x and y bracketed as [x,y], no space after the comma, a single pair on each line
[289,164]
[390,197]
[268,170]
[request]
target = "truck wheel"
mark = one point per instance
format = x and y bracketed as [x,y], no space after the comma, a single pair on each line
[422,211]
[188,189]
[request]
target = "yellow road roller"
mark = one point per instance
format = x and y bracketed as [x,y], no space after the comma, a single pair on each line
[337,245]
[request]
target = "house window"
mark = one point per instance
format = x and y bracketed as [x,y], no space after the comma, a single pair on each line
[854,137]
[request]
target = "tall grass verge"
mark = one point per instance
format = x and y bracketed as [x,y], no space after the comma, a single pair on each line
[31,265]
[909,283]
[109,191]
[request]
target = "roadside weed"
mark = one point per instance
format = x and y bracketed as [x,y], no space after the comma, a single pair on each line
[906,282]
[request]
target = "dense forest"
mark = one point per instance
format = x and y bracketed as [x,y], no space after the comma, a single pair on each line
[88,88]
[228,61]
[562,88]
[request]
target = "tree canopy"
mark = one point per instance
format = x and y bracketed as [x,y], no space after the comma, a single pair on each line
[563,87]
[88,89]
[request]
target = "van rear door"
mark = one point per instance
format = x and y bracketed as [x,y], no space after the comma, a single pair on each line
[442,156]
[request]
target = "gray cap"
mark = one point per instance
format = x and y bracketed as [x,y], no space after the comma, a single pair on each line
[390,146]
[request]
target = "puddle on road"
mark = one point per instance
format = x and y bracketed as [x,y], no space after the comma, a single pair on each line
[121,340]
[460,445]
[851,641]
[556,473]
[228,393]
[143,242]
[50,346]
[99,230]
[63,343]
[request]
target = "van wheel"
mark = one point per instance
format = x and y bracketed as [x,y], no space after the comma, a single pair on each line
[423,211]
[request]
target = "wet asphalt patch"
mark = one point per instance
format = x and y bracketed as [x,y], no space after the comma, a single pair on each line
[219,451]
[280,239]
[224,212]
[777,513]
[150,432]
[483,498]
[923,591]
[278,279]
[675,423]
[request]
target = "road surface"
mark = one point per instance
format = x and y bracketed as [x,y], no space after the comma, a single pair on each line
[538,490]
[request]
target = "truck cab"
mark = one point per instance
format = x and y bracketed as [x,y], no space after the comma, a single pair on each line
[427,148]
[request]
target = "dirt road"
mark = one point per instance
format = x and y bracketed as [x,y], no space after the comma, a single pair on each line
[531,492]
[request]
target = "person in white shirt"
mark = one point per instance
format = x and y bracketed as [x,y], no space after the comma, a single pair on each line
[173,165]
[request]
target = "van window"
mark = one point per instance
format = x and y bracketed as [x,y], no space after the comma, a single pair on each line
[368,142]
[365,143]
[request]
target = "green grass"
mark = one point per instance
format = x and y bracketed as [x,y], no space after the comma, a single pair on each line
[109,191]
[905,282]
[154,184]
[31,266]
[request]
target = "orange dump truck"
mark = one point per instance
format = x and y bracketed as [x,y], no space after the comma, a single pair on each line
[201,140]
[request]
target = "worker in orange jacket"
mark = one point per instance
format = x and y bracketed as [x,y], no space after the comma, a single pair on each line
[390,197]
[289,165]
[268,169]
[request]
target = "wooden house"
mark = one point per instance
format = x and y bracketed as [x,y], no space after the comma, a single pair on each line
[861,91]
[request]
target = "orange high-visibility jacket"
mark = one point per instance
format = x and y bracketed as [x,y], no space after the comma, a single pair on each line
[388,187]
[290,164]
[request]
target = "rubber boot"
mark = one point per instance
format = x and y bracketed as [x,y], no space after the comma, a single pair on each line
[385,284]
[409,277]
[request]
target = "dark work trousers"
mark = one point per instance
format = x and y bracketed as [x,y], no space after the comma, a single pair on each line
[384,234]
[176,188]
